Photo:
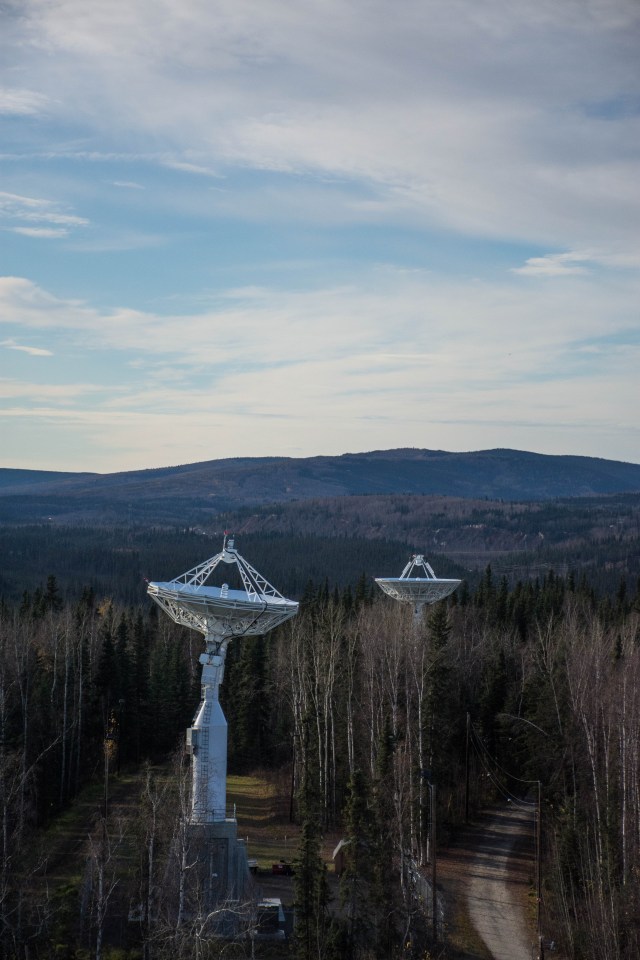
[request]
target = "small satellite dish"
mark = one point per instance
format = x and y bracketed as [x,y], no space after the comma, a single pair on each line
[418,590]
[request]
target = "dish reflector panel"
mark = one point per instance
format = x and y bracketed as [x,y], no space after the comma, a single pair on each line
[256,609]
[417,590]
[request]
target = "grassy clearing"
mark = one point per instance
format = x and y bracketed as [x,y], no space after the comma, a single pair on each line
[259,810]
[259,807]
[262,811]
[255,799]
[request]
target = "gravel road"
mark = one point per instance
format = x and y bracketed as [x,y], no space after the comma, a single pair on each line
[498,883]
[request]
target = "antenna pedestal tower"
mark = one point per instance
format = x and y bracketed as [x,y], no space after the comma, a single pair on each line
[207,741]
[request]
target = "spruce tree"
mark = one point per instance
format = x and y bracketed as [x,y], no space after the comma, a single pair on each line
[52,598]
[360,882]
[439,701]
[139,711]
[250,732]
[107,678]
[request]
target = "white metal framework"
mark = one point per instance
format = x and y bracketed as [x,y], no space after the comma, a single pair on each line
[220,614]
[418,590]
[219,610]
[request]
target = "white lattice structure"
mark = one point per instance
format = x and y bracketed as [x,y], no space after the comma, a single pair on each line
[220,614]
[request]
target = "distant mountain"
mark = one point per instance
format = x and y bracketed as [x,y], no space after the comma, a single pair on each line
[17,479]
[193,493]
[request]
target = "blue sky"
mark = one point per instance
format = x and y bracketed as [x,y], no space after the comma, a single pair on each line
[254,227]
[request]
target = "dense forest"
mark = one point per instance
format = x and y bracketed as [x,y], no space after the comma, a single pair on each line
[115,562]
[598,535]
[340,539]
[365,710]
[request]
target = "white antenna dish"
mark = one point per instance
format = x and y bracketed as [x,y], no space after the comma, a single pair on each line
[221,614]
[418,590]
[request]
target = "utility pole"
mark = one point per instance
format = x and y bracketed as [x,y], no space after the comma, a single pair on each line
[466,771]
[539,872]
[434,896]
[110,747]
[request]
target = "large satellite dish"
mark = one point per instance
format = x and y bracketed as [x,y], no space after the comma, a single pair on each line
[419,590]
[220,611]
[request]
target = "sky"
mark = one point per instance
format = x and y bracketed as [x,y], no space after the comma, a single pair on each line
[283,227]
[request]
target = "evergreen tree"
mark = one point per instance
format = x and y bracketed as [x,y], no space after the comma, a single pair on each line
[140,685]
[52,599]
[362,590]
[250,695]
[107,677]
[486,592]
[123,705]
[384,820]
[360,882]
[171,700]
[492,695]
[440,709]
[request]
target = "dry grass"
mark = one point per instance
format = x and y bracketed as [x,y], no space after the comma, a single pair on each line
[262,810]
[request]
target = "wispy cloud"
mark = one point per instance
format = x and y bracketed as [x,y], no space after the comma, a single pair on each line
[32,351]
[331,357]
[46,233]
[493,147]
[61,396]
[554,265]
[186,167]
[348,137]
[17,102]
[261,327]
[25,211]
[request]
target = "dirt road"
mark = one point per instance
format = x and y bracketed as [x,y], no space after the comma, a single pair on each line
[499,883]
[487,876]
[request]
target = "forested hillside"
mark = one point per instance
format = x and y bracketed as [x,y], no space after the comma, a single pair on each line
[195,493]
[340,539]
[362,709]
[596,535]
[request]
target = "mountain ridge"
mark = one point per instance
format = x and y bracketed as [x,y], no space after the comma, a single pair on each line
[188,492]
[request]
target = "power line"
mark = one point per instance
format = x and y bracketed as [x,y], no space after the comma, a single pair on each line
[483,754]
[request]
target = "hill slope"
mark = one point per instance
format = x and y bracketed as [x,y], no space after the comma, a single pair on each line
[192,493]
